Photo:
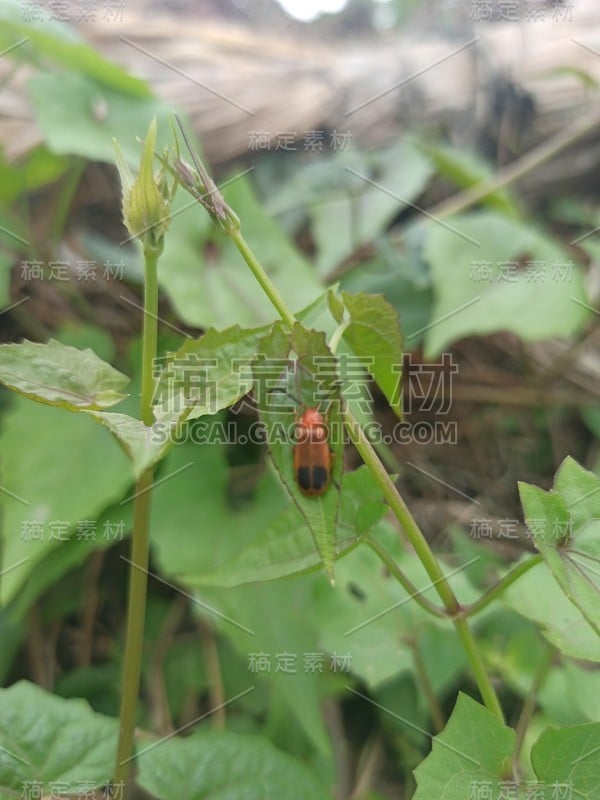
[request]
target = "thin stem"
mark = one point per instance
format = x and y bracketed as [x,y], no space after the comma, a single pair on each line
[429,562]
[262,278]
[515,171]
[138,573]
[395,501]
[499,587]
[150,330]
[432,701]
[529,706]
[406,583]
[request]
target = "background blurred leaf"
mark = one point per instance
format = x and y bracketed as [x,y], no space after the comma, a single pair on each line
[551,304]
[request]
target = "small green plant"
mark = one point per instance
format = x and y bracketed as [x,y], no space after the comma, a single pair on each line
[476,747]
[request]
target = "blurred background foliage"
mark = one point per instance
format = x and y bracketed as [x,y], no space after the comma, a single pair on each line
[350,147]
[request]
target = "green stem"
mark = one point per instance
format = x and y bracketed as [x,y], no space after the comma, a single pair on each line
[501,586]
[406,583]
[138,573]
[395,501]
[430,563]
[262,278]
[150,330]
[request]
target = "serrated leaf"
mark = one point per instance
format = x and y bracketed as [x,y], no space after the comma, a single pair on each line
[374,334]
[61,376]
[145,446]
[474,748]
[207,374]
[285,547]
[567,535]
[568,758]
[46,741]
[561,621]
[482,281]
[320,512]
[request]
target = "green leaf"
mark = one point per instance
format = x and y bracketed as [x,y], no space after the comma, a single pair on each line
[403,278]
[569,757]
[245,614]
[370,615]
[206,277]
[207,374]
[561,621]
[565,524]
[223,765]
[59,375]
[285,548]
[61,44]
[52,745]
[359,196]
[144,446]
[80,116]
[474,748]
[59,471]
[194,528]
[374,334]
[320,512]
[482,281]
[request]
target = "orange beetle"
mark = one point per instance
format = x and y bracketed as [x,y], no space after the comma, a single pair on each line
[313,460]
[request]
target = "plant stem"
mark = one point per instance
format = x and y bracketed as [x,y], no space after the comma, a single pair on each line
[150,330]
[263,279]
[515,171]
[406,583]
[138,573]
[429,561]
[395,501]
[498,588]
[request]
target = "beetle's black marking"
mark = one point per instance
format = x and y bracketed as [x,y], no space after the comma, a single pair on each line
[304,479]
[320,478]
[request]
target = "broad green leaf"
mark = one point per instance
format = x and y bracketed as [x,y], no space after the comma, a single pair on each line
[59,375]
[475,748]
[207,374]
[279,418]
[374,335]
[580,490]
[566,531]
[361,196]
[49,745]
[59,471]
[491,273]
[562,622]
[369,615]
[194,527]
[111,527]
[60,43]
[206,277]
[80,116]
[224,766]
[569,758]
[285,547]
[143,445]
[245,614]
